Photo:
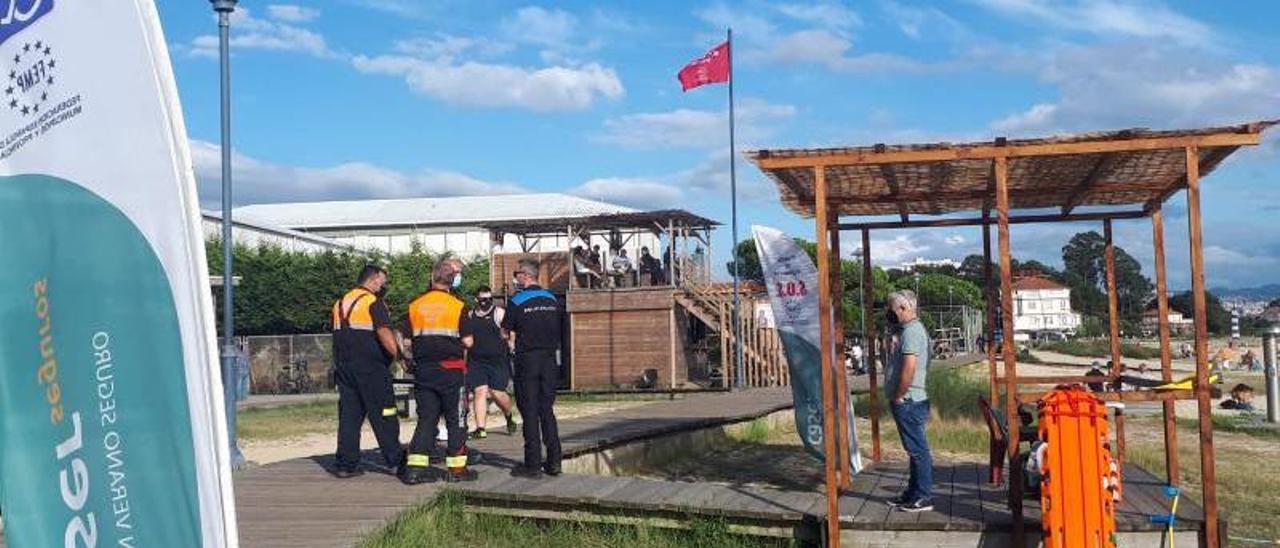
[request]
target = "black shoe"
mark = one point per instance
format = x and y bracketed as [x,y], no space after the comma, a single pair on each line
[552,471]
[511,425]
[918,505]
[465,474]
[347,473]
[526,472]
[418,475]
[898,501]
[479,434]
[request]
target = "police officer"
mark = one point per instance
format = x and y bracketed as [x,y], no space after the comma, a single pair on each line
[534,320]
[439,369]
[363,349]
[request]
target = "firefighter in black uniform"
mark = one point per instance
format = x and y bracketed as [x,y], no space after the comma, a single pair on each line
[535,319]
[439,370]
[363,349]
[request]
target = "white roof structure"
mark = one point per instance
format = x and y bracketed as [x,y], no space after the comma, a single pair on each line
[425,212]
[252,233]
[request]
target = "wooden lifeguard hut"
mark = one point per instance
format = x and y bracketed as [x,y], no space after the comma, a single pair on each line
[662,324]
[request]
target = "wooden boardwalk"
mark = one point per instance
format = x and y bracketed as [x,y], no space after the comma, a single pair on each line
[297,503]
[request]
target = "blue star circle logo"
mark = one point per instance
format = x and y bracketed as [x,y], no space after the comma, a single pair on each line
[30,78]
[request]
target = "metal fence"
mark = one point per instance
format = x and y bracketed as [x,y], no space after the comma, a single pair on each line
[289,364]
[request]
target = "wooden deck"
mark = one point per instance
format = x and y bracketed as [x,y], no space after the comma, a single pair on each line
[296,503]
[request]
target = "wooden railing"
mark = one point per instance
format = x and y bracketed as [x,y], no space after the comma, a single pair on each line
[764,362]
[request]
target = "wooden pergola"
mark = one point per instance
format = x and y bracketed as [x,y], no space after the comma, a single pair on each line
[1113,175]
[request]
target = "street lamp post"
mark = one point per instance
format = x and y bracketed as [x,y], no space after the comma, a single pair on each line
[224,8]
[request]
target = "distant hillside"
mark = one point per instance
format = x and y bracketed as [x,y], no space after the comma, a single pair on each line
[1260,293]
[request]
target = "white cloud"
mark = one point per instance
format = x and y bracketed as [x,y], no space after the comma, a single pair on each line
[532,24]
[692,128]
[253,33]
[897,249]
[1038,116]
[1125,85]
[448,46]
[638,192]
[474,84]
[292,13]
[832,15]
[258,181]
[918,23]
[1138,19]
[826,42]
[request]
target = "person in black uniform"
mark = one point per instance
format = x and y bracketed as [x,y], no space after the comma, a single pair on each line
[488,361]
[439,371]
[363,349]
[534,320]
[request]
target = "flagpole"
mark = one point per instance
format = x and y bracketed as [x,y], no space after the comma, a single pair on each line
[733,201]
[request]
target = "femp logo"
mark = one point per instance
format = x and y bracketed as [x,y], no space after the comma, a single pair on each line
[16,15]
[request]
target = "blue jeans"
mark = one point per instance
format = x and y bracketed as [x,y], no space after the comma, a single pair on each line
[910,417]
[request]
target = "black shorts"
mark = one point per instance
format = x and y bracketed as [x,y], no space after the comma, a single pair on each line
[496,376]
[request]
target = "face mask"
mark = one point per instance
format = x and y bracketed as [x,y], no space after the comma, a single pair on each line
[891,319]
[382,292]
[515,282]
[485,303]
[457,280]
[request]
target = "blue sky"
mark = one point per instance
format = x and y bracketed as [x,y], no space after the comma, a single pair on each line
[346,99]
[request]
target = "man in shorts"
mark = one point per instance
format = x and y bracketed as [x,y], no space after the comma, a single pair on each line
[488,365]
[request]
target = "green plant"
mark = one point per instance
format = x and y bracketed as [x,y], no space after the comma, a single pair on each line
[445,523]
[1101,349]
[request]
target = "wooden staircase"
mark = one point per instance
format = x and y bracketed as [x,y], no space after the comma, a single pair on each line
[764,363]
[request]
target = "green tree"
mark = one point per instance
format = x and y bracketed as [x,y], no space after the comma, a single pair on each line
[749,258]
[1085,273]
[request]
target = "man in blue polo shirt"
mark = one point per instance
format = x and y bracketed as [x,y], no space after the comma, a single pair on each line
[535,321]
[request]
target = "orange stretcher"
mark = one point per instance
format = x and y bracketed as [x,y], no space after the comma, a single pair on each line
[1080,481]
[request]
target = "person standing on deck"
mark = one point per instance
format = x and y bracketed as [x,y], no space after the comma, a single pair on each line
[439,371]
[905,388]
[364,348]
[535,321]
[488,364]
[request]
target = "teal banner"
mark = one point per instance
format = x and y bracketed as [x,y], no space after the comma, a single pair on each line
[792,282]
[95,431]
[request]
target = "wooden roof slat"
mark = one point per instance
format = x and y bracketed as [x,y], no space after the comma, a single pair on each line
[1207,164]
[1126,168]
[1079,191]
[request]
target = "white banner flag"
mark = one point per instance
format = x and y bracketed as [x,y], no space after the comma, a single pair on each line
[792,281]
[113,431]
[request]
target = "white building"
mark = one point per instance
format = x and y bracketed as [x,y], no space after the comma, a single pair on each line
[253,234]
[452,224]
[918,262]
[1178,325]
[1042,305]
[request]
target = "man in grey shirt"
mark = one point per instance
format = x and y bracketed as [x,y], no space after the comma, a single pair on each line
[904,386]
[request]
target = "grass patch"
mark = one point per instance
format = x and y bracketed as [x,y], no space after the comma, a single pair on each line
[757,431]
[1025,356]
[446,524]
[287,421]
[1099,348]
[1254,425]
[953,393]
[1247,482]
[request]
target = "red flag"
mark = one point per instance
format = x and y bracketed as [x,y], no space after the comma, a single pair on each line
[708,69]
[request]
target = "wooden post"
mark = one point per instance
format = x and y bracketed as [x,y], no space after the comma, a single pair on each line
[573,270]
[1010,356]
[1208,476]
[869,342]
[989,286]
[1166,350]
[842,378]
[824,338]
[1113,331]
